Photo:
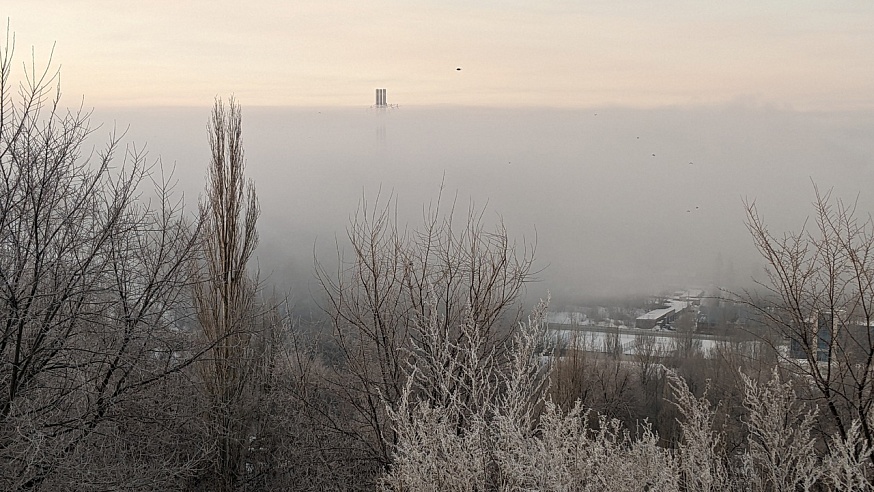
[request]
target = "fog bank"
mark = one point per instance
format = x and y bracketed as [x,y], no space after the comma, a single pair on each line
[619,200]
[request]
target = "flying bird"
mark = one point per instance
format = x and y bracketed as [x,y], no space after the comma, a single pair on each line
[458,69]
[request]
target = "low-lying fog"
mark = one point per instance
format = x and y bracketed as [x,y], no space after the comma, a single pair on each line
[620,200]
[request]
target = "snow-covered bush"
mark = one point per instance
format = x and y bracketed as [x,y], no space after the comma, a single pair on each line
[781,453]
[467,421]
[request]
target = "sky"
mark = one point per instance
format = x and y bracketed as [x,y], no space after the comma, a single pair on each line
[622,137]
[805,55]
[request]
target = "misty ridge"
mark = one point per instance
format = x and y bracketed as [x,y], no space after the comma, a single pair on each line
[215,343]
[621,201]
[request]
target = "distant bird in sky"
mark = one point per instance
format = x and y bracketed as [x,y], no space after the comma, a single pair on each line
[458,69]
[653,155]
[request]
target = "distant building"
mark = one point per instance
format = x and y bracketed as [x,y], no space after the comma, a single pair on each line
[848,339]
[382,101]
[655,317]
[671,308]
[819,336]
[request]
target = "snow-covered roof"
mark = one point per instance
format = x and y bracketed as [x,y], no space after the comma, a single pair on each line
[657,313]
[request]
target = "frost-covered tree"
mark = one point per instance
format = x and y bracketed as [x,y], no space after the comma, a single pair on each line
[383,290]
[700,452]
[819,295]
[93,283]
[511,436]
[781,453]
[225,299]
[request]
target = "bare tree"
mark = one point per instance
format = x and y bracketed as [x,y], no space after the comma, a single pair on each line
[376,298]
[605,383]
[225,297]
[92,301]
[819,297]
[648,355]
[571,377]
